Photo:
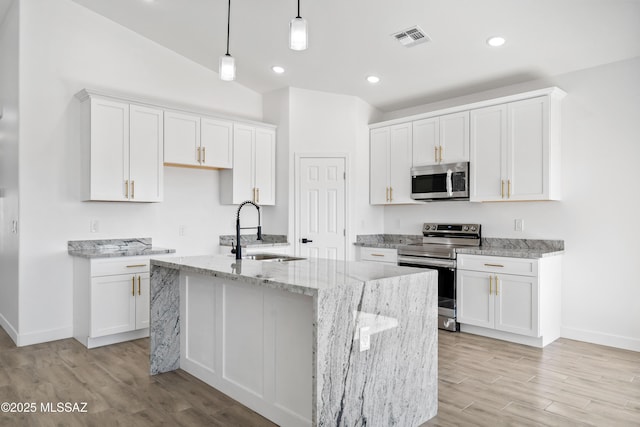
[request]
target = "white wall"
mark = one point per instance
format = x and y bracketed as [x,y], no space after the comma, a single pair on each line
[322,122]
[64,48]
[276,110]
[598,216]
[9,195]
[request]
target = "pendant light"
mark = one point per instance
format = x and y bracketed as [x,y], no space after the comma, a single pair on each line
[227,62]
[298,39]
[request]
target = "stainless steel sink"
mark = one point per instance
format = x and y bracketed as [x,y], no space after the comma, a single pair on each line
[272,257]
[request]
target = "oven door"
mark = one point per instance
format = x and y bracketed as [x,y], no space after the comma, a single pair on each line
[446,286]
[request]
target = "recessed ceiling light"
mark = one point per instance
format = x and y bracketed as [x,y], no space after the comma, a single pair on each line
[277,69]
[495,41]
[373,79]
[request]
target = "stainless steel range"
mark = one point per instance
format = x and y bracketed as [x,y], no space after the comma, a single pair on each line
[438,251]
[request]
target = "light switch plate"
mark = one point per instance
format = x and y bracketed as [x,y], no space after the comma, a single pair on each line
[365,338]
[518,225]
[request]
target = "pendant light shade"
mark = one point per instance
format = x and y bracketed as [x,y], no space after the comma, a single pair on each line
[298,39]
[227,68]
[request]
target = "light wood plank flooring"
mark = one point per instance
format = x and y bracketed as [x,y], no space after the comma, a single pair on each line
[483,382]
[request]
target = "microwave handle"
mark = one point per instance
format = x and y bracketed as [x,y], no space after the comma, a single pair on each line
[449,183]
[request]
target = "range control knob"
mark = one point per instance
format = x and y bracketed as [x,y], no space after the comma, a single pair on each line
[473,228]
[465,228]
[426,227]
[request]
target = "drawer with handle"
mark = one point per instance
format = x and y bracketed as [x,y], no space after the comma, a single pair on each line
[379,254]
[520,266]
[122,265]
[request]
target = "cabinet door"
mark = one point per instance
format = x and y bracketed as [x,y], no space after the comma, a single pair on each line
[142,300]
[181,139]
[426,141]
[109,134]
[265,166]
[528,150]
[517,304]
[400,164]
[488,153]
[216,140]
[146,154]
[474,302]
[113,308]
[454,137]
[378,166]
[243,163]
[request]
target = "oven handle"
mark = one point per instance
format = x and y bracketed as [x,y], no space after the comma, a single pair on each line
[425,262]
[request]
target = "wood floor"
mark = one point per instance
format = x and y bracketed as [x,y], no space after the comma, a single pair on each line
[483,382]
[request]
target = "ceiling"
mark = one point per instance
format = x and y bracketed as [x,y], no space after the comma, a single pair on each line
[349,40]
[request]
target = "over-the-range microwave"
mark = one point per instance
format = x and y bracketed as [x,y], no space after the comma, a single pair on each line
[440,182]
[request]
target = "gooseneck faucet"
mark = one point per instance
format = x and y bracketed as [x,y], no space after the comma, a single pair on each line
[238,248]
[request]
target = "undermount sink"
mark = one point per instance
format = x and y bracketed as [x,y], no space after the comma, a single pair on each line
[272,257]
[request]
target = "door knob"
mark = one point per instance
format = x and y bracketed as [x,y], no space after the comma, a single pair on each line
[305,240]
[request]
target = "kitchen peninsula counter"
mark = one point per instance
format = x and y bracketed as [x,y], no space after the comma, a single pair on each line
[285,338]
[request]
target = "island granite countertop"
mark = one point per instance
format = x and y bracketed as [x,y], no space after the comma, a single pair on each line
[305,276]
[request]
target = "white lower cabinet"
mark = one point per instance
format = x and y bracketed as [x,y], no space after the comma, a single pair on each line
[111,300]
[513,299]
[383,255]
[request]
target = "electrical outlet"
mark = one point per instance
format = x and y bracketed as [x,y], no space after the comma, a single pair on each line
[518,225]
[94,226]
[365,338]
[182,230]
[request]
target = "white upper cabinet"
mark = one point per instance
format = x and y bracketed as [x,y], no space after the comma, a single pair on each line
[181,139]
[216,142]
[512,145]
[195,141]
[253,174]
[390,165]
[122,153]
[515,151]
[443,139]
[488,153]
[145,154]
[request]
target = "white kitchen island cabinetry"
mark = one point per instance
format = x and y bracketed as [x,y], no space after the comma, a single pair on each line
[254,166]
[111,300]
[442,139]
[122,153]
[515,150]
[195,141]
[513,299]
[390,165]
[314,342]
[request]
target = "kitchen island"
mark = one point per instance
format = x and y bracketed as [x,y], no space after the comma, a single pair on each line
[305,342]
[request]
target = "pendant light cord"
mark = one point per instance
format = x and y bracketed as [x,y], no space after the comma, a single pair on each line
[229,23]
[298,9]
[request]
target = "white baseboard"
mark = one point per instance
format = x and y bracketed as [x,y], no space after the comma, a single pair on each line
[609,340]
[8,327]
[44,336]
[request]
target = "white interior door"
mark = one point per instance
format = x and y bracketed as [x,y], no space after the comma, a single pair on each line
[321,208]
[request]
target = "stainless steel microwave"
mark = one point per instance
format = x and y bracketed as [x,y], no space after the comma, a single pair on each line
[436,182]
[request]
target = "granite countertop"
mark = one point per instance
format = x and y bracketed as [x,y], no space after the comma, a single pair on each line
[307,276]
[115,248]
[389,241]
[249,240]
[491,246]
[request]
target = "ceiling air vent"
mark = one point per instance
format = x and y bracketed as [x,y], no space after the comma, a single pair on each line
[411,36]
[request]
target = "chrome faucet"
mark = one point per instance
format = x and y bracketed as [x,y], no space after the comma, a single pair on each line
[238,249]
